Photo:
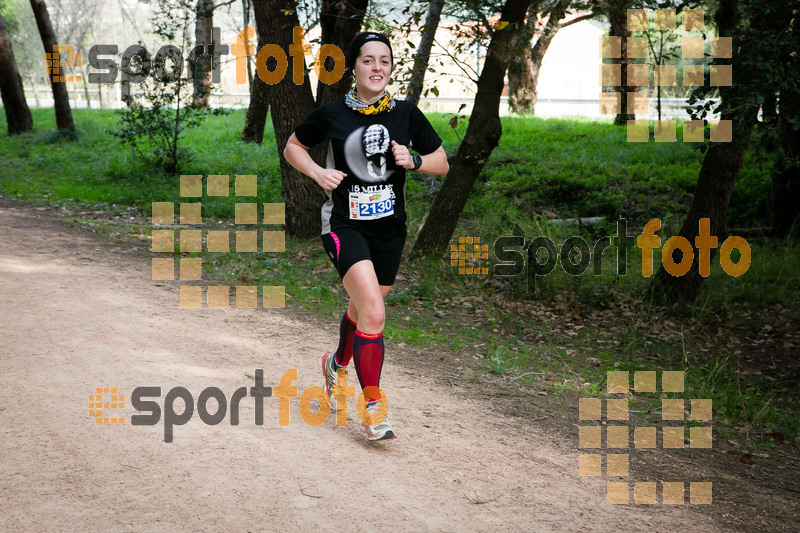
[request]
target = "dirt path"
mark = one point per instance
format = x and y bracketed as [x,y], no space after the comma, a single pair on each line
[75,315]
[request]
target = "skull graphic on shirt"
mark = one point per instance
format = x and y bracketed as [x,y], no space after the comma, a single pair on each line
[376,145]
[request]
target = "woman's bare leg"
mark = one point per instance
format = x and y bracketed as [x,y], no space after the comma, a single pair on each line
[366,297]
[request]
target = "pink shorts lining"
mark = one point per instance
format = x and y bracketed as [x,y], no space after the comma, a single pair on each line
[338,246]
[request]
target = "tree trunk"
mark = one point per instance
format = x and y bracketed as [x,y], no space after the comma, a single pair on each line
[246,8]
[482,136]
[86,87]
[290,105]
[423,55]
[201,70]
[784,193]
[18,116]
[557,14]
[523,71]
[35,91]
[520,81]
[719,170]
[75,92]
[60,96]
[256,117]
[712,196]
[340,22]
[769,109]
[520,68]
[100,96]
[617,13]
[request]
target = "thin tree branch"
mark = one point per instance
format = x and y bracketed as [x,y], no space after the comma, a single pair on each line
[578,19]
[215,6]
[478,501]
[460,64]
[303,491]
[512,378]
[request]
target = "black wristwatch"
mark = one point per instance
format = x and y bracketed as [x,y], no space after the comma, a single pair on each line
[417,161]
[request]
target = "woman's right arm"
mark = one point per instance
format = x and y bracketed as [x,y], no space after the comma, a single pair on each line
[296,153]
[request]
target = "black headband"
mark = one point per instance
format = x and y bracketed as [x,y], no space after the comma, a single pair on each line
[362,39]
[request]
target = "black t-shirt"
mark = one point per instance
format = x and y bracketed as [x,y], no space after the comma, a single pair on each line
[371,198]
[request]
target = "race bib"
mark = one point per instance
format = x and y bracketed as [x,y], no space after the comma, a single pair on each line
[371,205]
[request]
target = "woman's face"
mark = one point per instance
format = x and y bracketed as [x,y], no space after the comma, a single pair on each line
[373,66]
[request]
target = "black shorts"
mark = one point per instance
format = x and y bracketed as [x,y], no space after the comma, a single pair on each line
[347,246]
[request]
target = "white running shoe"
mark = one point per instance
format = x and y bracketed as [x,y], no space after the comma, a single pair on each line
[329,372]
[382,431]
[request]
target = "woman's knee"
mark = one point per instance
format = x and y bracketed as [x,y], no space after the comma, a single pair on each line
[371,315]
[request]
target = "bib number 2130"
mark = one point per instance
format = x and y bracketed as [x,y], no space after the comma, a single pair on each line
[371,206]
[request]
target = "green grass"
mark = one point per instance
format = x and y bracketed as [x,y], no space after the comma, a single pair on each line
[542,169]
[566,168]
[42,165]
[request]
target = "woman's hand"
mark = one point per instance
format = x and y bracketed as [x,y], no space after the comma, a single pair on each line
[434,163]
[296,153]
[402,156]
[328,178]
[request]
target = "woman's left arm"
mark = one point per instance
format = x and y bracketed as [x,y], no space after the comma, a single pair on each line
[434,163]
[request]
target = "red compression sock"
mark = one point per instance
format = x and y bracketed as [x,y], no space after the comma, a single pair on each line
[368,358]
[345,350]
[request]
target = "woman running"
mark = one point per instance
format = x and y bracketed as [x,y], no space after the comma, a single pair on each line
[369,134]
